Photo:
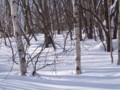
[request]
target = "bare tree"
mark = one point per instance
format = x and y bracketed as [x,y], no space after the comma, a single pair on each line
[17,33]
[77,36]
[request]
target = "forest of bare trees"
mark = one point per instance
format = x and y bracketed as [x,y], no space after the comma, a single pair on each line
[23,19]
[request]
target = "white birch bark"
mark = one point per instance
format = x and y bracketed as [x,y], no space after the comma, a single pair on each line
[17,33]
[119,35]
[77,37]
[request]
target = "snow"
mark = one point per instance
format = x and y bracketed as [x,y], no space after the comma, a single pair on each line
[97,71]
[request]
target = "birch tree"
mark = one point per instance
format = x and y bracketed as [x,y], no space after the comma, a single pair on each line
[17,34]
[119,35]
[77,36]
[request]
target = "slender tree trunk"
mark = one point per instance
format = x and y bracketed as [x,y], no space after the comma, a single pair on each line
[77,37]
[0,16]
[119,35]
[110,33]
[106,6]
[57,18]
[17,33]
[115,21]
[80,20]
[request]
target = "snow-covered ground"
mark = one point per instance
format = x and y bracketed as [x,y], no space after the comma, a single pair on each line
[97,71]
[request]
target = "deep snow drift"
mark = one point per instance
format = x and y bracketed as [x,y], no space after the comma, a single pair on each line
[97,71]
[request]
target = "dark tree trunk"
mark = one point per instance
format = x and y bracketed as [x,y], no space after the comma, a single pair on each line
[107,25]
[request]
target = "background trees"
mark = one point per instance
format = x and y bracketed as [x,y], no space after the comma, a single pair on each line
[96,19]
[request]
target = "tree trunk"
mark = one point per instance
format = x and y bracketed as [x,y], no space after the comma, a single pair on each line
[0,16]
[48,40]
[110,33]
[115,21]
[77,37]
[119,35]
[106,6]
[57,18]
[80,20]
[17,33]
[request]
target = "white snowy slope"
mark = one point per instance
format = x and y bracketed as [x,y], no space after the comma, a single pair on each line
[97,71]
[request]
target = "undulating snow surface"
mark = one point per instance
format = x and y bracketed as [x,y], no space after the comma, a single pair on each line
[97,71]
